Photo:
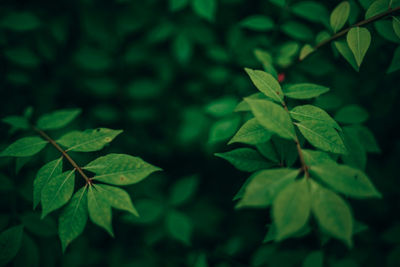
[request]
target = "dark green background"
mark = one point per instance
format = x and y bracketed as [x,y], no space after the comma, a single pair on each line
[138,66]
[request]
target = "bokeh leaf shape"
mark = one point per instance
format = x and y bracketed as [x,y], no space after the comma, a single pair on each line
[291,209]
[18,122]
[367,139]
[313,113]
[43,176]
[396,26]
[266,83]
[297,31]
[358,40]
[120,169]
[385,29]
[183,190]
[117,198]
[332,213]
[314,259]
[265,59]
[57,119]
[88,140]
[22,56]
[221,107]
[257,23]
[73,218]
[395,64]
[264,185]
[357,155]
[223,129]
[99,209]
[351,114]
[305,51]
[304,90]
[346,180]
[205,8]
[339,16]
[92,59]
[179,226]
[246,159]
[57,192]
[24,147]
[10,243]
[20,21]
[176,5]
[32,222]
[252,133]
[273,118]
[311,10]
[346,52]
[377,7]
[322,136]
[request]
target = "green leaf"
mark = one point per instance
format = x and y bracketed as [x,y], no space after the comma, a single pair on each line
[313,113]
[322,136]
[313,157]
[57,119]
[395,65]
[314,259]
[377,7]
[99,209]
[305,51]
[183,190]
[269,151]
[179,226]
[345,180]
[205,8]
[117,198]
[24,147]
[73,218]
[88,140]
[311,10]
[305,90]
[120,169]
[251,133]
[17,122]
[332,213]
[20,21]
[10,243]
[339,16]
[266,83]
[264,185]
[273,117]
[351,114]
[57,192]
[358,40]
[297,31]
[346,52]
[396,26]
[245,159]
[244,106]
[258,23]
[43,176]
[291,208]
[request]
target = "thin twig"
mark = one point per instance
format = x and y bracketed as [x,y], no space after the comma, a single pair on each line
[358,24]
[304,166]
[65,154]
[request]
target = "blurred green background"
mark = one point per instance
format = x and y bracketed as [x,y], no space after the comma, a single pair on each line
[169,73]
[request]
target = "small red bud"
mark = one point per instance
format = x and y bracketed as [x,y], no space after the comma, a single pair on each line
[281,77]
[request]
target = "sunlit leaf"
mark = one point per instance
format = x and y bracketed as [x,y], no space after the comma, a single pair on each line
[339,16]
[358,40]
[24,147]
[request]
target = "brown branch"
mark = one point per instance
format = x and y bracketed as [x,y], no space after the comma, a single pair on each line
[304,166]
[65,154]
[358,24]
